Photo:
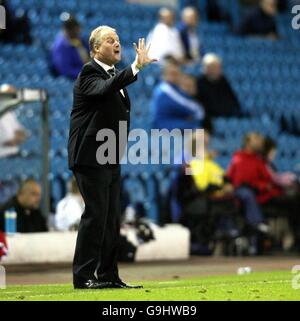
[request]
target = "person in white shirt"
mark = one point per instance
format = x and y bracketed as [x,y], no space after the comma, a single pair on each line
[69,209]
[12,132]
[165,38]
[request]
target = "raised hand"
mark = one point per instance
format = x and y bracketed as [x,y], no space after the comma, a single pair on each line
[142,57]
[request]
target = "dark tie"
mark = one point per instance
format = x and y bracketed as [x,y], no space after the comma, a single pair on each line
[111,72]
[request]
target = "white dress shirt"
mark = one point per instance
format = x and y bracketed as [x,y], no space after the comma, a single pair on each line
[106,67]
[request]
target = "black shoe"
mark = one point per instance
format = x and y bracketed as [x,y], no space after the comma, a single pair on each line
[92,285]
[122,285]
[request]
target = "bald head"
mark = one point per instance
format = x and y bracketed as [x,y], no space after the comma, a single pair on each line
[269,7]
[190,16]
[29,194]
[212,66]
[167,16]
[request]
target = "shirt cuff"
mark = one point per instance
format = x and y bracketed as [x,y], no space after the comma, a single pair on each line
[134,68]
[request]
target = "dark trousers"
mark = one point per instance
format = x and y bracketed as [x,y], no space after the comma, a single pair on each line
[99,229]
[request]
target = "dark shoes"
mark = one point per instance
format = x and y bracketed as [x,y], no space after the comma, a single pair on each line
[92,285]
[122,285]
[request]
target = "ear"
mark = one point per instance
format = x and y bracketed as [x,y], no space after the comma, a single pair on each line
[96,48]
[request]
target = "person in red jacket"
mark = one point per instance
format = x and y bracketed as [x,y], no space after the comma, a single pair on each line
[253,183]
[3,245]
[248,168]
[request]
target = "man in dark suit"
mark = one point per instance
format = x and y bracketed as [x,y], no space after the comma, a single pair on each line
[100,102]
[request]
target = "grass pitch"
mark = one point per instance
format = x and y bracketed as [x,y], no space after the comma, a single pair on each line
[260,286]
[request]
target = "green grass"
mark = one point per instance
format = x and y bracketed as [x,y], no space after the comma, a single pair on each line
[268,286]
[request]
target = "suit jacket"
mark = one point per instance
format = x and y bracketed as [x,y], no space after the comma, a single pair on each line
[97,104]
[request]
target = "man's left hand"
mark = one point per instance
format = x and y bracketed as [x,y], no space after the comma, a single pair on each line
[142,57]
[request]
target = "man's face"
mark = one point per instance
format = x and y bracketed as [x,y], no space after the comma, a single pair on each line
[109,51]
[172,74]
[256,143]
[74,33]
[191,19]
[30,196]
[214,70]
[269,7]
[168,18]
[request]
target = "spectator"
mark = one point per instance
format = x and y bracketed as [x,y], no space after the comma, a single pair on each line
[285,180]
[247,168]
[188,34]
[69,51]
[260,22]
[70,208]
[165,38]
[210,178]
[26,204]
[207,174]
[214,90]
[203,201]
[12,132]
[172,106]
[287,204]
[17,26]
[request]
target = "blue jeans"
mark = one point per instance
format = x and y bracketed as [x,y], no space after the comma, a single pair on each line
[252,210]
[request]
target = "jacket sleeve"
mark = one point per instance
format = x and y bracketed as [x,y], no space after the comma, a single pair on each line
[92,84]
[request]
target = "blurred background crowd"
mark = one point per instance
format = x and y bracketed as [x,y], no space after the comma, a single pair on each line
[230,67]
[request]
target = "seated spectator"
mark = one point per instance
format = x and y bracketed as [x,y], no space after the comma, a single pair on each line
[203,201]
[12,132]
[247,168]
[287,204]
[260,22]
[164,38]
[17,26]
[188,34]
[70,208]
[172,104]
[210,178]
[26,204]
[214,90]
[286,180]
[207,174]
[69,51]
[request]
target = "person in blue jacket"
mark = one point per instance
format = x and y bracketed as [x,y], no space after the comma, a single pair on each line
[69,51]
[173,105]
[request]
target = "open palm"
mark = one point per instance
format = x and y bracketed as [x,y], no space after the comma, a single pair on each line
[142,51]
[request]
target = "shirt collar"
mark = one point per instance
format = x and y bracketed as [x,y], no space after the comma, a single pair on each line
[103,65]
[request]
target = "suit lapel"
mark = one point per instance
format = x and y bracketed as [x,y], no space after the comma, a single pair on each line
[105,75]
[100,69]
